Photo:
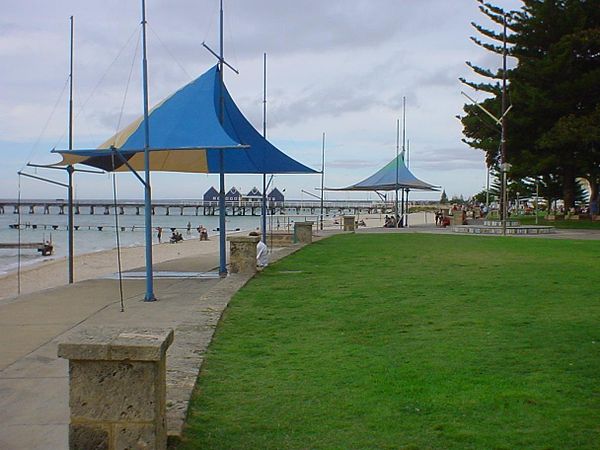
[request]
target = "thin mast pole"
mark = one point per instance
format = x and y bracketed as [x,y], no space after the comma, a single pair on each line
[222,240]
[264,189]
[407,189]
[149,297]
[322,177]
[487,188]
[403,147]
[503,137]
[70,169]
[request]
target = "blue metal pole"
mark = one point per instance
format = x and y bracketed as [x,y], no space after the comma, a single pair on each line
[264,189]
[149,296]
[70,169]
[222,240]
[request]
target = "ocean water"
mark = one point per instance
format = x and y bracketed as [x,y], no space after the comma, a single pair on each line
[89,239]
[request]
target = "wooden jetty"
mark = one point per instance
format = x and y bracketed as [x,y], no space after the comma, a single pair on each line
[45,248]
[190,207]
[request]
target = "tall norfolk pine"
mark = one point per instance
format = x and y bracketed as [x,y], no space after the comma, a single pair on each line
[553,127]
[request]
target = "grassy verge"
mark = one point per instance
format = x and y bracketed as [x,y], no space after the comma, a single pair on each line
[582,224]
[409,341]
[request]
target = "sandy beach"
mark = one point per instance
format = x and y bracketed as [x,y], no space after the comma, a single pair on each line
[54,273]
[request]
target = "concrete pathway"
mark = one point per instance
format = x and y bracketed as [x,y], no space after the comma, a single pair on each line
[34,410]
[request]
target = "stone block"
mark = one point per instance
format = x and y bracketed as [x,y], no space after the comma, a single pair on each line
[349,223]
[111,344]
[112,390]
[88,437]
[135,437]
[117,386]
[303,232]
[242,253]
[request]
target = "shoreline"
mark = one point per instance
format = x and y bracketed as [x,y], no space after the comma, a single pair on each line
[53,273]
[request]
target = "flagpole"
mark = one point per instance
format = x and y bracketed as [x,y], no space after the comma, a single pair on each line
[149,296]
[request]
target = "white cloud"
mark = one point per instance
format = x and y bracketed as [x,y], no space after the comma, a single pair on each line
[338,66]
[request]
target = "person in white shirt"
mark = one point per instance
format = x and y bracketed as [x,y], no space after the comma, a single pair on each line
[262,251]
[262,254]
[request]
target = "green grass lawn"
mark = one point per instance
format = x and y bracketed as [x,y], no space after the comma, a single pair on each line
[409,341]
[582,224]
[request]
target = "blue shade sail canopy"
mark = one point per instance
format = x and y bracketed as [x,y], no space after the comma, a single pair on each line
[386,179]
[186,135]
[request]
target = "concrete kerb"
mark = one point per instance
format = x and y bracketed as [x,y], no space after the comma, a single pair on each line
[185,357]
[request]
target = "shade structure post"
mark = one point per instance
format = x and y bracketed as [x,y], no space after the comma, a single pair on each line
[322,179]
[222,231]
[264,209]
[396,209]
[263,212]
[149,296]
[70,171]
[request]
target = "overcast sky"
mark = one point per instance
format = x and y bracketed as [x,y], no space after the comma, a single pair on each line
[340,66]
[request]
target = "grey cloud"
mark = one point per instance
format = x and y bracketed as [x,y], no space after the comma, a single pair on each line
[358,92]
[309,25]
[451,158]
[351,164]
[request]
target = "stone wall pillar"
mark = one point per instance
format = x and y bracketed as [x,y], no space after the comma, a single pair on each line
[458,217]
[349,223]
[117,388]
[242,253]
[303,232]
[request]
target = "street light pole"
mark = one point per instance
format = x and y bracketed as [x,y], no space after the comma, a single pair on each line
[503,163]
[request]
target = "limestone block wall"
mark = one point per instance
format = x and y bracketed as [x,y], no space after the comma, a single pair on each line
[117,388]
[242,253]
[349,223]
[303,232]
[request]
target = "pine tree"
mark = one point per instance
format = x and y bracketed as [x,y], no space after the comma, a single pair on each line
[444,198]
[554,125]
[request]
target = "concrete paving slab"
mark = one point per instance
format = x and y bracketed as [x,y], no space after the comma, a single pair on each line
[34,437]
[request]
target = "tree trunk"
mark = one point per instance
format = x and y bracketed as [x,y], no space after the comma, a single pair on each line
[568,188]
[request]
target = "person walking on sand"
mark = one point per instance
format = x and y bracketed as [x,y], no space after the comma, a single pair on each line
[159,233]
[189,228]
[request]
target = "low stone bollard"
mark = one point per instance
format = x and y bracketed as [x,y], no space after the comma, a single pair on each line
[117,388]
[349,223]
[303,232]
[459,217]
[242,252]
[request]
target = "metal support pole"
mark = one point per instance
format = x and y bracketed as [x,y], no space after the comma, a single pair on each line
[503,136]
[396,209]
[487,189]
[149,296]
[264,178]
[322,178]
[70,169]
[222,231]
